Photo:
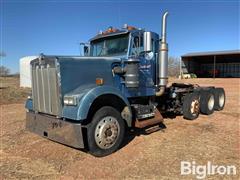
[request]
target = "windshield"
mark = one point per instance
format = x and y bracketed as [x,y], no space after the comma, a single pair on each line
[110,46]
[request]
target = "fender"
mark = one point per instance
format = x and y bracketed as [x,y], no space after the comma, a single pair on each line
[85,101]
[29,104]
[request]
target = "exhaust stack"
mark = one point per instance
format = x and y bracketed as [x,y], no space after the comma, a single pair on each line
[163,58]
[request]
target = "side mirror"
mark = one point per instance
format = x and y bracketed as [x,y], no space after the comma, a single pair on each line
[86,50]
[147,41]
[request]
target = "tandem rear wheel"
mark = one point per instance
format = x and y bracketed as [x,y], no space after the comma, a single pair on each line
[191,106]
[207,101]
[204,102]
[212,99]
[220,98]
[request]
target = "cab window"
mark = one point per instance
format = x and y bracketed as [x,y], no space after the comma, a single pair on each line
[137,45]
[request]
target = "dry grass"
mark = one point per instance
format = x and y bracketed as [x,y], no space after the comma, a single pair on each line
[11,92]
[212,138]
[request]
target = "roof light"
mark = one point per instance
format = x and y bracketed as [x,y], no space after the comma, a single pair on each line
[126,26]
[131,28]
[110,30]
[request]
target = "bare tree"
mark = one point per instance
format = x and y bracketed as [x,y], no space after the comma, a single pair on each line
[4,71]
[173,66]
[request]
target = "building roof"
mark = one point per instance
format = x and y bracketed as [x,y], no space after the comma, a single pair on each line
[212,53]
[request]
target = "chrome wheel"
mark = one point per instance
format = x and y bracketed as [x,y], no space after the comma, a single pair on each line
[221,100]
[211,102]
[107,132]
[195,105]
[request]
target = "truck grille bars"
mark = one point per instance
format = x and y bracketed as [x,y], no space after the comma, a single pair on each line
[45,86]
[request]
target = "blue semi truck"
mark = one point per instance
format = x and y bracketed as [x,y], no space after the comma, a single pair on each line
[120,83]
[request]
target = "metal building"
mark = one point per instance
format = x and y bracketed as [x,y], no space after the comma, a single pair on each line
[212,64]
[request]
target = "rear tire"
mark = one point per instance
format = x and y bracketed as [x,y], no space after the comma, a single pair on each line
[207,102]
[220,98]
[191,106]
[105,132]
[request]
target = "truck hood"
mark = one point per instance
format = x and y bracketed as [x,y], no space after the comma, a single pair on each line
[78,71]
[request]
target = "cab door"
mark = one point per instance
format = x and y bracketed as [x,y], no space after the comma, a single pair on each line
[147,66]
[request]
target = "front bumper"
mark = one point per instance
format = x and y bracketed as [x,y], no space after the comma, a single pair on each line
[55,129]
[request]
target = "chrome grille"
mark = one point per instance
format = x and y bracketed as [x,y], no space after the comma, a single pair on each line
[45,87]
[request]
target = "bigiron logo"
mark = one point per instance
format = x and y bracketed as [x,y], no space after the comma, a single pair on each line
[201,171]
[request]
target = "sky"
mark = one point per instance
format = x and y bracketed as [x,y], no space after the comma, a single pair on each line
[57,27]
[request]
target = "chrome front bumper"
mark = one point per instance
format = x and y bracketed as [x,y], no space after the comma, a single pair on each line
[55,129]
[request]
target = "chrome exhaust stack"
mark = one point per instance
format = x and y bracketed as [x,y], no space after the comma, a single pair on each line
[163,59]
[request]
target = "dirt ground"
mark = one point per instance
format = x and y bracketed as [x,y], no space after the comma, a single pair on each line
[214,138]
[11,92]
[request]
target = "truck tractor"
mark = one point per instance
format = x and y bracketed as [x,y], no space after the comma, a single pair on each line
[119,84]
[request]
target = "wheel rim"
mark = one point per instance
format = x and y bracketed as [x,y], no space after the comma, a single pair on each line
[211,102]
[195,107]
[107,132]
[221,100]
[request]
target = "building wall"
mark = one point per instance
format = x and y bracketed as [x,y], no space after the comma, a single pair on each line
[223,69]
[203,66]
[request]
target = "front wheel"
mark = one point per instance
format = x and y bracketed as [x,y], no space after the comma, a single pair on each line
[105,132]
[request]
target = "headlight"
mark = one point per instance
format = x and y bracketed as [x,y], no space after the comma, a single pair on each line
[30,96]
[70,100]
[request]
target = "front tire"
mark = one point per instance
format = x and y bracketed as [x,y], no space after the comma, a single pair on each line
[105,132]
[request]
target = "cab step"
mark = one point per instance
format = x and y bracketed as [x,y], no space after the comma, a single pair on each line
[150,121]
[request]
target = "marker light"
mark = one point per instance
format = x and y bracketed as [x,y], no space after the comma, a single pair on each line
[99,81]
